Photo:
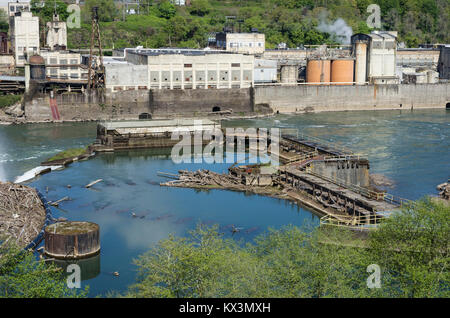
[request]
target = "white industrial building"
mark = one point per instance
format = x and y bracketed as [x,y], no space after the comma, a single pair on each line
[375,57]
[56,34]
[265,71]
[64,65]
[14,7]
[244,43]
[24,36]
[179,69]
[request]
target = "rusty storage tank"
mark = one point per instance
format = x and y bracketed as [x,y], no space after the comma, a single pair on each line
[72,240]
[318,71]
[37,67]
[342,71]
[289,73]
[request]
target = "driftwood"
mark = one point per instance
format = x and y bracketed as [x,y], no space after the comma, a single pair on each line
[202,178]
[93,182]
[56,203]
[22,214]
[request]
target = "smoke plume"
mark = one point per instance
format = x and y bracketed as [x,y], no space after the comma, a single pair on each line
[339,30]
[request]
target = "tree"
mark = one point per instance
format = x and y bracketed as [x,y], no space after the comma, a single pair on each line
[22,276]
[166,10]
[45,12]
[200,7]
[413,248]
[107,10]
[4,25]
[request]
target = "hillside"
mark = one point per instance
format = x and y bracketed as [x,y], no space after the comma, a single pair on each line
[295,22]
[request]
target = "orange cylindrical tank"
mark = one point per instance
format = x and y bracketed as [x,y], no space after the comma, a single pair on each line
[318,71]
[342,72]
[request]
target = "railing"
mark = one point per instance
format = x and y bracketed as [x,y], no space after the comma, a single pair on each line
[361,223]
[318,141]
[379,196]
[356,156]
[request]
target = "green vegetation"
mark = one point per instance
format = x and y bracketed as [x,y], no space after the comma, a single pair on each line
[69,153]
[21,275]
[7,100]
[411,248]
[4,25]
[295,22]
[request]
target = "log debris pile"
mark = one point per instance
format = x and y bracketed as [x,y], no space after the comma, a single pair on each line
[204,178]
[22,214]
[444,190]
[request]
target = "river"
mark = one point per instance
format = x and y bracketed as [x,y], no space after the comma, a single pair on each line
[412,148]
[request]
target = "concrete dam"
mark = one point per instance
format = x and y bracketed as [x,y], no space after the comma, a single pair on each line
[238,102]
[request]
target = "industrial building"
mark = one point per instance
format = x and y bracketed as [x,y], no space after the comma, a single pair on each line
[24,31]
[179,69]
[56,34]
[375,55]
[64,65]
[245,43]
[444,63]
[265,71]
[14,7]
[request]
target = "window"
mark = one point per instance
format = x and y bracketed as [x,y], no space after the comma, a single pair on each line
[235,64]
[74,75]
[53,60]
[187,65]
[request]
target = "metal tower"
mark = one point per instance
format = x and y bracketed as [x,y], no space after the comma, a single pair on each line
[96,73]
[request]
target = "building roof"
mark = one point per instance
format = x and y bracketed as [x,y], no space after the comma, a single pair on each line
[168,51]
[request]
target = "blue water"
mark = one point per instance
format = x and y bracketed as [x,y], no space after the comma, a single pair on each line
[411,148]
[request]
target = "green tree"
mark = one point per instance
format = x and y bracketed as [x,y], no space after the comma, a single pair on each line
[413,248]
[166,10]
[107,10]
[4,25]
[200,7]
[21,275]
[45,12]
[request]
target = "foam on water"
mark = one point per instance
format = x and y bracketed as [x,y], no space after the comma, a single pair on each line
[31,174]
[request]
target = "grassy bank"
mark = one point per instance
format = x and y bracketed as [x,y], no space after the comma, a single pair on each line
[69,153]
[9,100]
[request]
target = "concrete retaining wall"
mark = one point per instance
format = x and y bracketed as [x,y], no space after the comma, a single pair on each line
[351,171]
[290,99]
[198,101]
[244,101]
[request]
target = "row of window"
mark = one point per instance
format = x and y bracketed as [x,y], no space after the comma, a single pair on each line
[245,44]
[54,60]
[67,76]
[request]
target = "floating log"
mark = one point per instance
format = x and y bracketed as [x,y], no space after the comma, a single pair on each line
[72,240]
[56,203]
[93,182]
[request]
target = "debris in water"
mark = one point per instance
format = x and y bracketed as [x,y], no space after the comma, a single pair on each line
[93,182]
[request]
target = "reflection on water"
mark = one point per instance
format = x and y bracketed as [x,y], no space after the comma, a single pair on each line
[89,267]
[134,212]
